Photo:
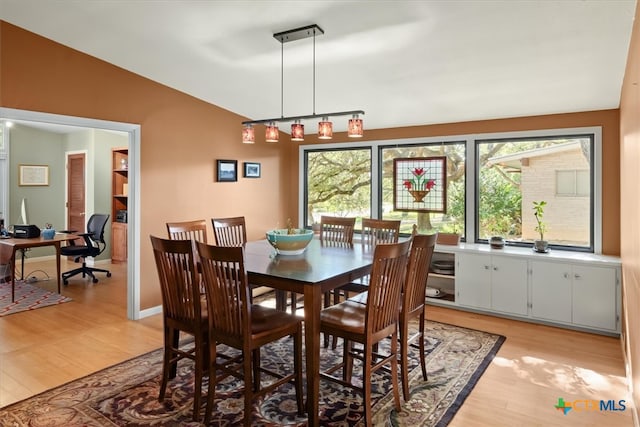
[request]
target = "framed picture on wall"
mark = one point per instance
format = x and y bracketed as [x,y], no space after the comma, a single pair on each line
[227,170]
[33,175]
[251,170]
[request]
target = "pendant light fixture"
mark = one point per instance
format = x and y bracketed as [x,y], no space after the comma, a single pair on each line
[248,134]
[354,128]
[271,134]
[297,131]
[325,129]
[325,126]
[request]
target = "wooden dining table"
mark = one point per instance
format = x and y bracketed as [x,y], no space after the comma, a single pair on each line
[319,269]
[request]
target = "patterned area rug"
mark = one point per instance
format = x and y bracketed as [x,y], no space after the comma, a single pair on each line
[127,394]
[27,297]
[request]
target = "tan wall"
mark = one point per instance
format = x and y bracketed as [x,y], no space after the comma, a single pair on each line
[181,137]
[630,207]
[608,119]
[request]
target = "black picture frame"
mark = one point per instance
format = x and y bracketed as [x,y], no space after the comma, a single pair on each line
[252,170]
[227,170]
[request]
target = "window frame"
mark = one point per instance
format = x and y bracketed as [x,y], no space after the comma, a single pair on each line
[471,166]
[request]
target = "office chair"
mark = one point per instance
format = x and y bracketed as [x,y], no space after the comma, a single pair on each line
[94,246]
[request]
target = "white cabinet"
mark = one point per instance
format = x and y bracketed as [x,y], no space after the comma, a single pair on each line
[594,297]
[551,291]
[577,294]
[473,280]
[492,282]
[509,285]
[567,289]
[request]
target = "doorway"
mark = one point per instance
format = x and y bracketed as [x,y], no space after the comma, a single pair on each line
[133,132]
[76,191]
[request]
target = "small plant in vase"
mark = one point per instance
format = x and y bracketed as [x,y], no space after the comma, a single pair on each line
[540,245]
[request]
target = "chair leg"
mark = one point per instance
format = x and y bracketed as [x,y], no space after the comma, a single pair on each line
[394,370]
[404,358]
[423,361]
[211,391]
[366,384]
[169,369]
[255,354]
[199,372]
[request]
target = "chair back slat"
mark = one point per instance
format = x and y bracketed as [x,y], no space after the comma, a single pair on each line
[375,231]
[188,230]
[178,279]
[227,290]
[230,231]
[387,277]
[337,230]
[422,248]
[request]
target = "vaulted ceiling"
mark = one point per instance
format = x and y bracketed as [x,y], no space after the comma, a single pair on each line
[402,62]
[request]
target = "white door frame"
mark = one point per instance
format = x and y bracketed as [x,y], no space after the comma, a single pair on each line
[133,215]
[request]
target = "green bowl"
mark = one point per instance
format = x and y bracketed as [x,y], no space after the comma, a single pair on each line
[290,244]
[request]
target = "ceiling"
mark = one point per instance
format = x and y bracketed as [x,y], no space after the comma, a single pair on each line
[403,62]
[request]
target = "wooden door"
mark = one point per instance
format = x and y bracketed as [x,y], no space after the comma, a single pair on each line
[76,192]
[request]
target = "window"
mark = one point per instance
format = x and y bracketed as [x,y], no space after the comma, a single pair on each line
[451,221]
[337,183]
[513,173]
[573,183]
[492,182]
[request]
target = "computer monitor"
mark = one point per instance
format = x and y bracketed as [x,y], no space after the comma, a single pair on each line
[23,212]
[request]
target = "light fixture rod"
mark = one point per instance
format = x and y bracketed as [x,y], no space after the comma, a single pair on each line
[309,116]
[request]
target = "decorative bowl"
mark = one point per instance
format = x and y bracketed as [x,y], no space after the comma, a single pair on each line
[289,244]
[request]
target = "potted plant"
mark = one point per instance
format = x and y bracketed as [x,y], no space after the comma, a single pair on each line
[540,245]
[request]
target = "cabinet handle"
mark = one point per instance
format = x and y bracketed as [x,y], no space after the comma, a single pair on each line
[486,267]
[566,275]
[495,268]
[577,276]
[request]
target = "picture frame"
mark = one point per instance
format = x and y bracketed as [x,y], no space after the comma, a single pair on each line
[420,184]
[33,175]
[227,170]
[252,170]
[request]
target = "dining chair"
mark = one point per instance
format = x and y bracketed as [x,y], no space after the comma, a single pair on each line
[244,326]
[335,230]
[368,324]
[229,231]
[374,231]
[188,230]
[413,304]
[184,310]
[232,231]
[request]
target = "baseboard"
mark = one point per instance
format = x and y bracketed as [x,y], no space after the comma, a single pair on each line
[150,311]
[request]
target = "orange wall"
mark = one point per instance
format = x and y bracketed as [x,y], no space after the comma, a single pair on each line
[181,137]
[608,119]
[630,207]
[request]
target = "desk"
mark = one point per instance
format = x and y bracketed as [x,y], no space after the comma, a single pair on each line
[18,244]
[317,270]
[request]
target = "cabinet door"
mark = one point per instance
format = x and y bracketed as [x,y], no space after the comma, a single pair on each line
[551,291]
[473,280]
[118,242]
[509,285]
[594,296]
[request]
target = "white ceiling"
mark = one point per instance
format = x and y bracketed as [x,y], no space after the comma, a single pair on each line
[402,62]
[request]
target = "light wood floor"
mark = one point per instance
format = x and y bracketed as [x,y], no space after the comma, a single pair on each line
[536,365]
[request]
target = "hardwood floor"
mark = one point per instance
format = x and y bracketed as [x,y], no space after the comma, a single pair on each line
[536,365]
